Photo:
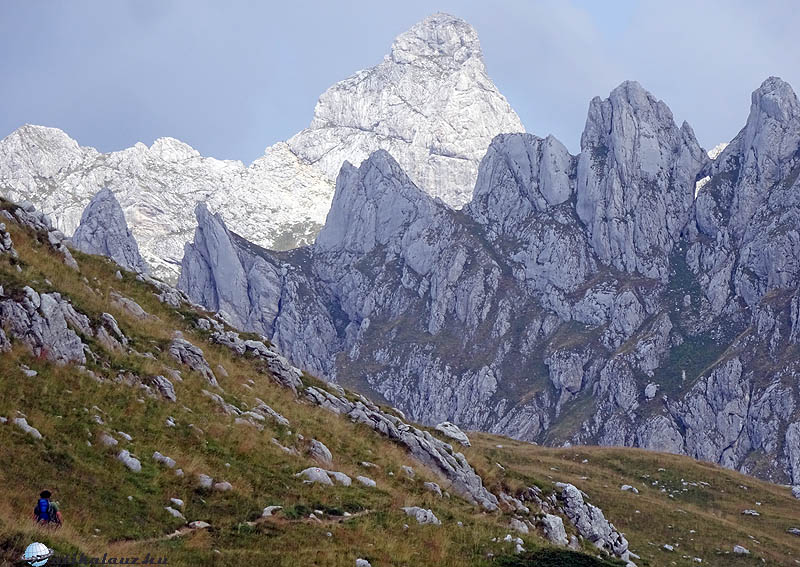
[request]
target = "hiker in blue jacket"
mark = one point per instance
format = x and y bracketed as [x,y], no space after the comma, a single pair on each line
[47,512]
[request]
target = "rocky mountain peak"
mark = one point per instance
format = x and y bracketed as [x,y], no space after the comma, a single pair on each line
[172,150]
[103,231]
[635,179]
[775,99]
[43,149]
[440,39]
[373,204]
[429,103]
[772,131]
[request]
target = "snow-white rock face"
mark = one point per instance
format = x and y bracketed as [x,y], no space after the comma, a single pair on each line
[714,152]
[103,231]
[429,103]
[278,201]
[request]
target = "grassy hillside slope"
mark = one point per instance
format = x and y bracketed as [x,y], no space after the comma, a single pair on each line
[111,510]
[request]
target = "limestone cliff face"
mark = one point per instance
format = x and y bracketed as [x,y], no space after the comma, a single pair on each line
[636,179]
[745,230]
[575,299]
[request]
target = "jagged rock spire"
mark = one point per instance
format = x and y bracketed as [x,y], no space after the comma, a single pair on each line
[374,204]
[636,179]
[212,272]
[103,230]
[521,174]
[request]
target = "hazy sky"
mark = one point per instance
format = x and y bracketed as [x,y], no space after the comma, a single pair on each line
[232,77]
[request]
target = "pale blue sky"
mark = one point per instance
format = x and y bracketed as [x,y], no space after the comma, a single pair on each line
[232,77]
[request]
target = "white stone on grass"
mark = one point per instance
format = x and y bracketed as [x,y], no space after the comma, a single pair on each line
[130,461]
[422,515]
[366,481]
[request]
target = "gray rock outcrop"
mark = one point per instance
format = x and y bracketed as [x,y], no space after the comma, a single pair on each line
[23,424]
[186,353]
[554,529]
[104,231]
[320,453]
[591,523]
[41,323]
[452,431]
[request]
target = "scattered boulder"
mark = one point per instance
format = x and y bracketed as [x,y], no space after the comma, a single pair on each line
[204,481]
[22,423]
[750,513]
[186,353]
[164,460]
[109,334]
[363,563]
[315,475]
[741,550]
[27,215]
[650,391]
[177,502]
[40,323]
[280,368]
[128,305]
[554,529]
[518,526]
[223,486]
[270,510]
[322,476]
[6,245]
[629,488]
[366,481]
[452,431]
[229,409]
[408,470]
[27,371]
[341,478]
[430,451]
[130,461]
[175,513]
[796,491]
[668,547]
[422,515]
[107,441]
[287,450]
[199,525]
[267,411]
[433,487]
[320,453]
